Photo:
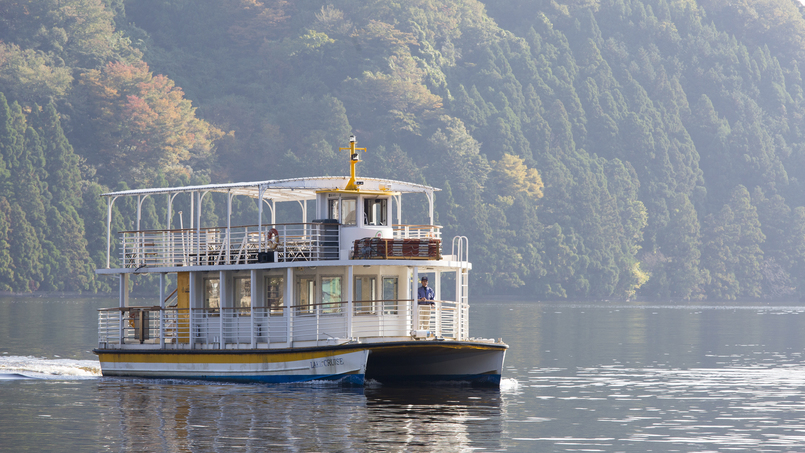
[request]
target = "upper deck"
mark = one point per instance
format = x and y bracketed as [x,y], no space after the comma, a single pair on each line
[352,219]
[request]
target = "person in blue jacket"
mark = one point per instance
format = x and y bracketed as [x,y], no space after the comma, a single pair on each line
[425,294]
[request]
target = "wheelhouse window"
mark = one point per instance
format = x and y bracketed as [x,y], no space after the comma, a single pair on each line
[212,294]
[343,209]
[374,211]
[349,213]
[333,209]
[274,294]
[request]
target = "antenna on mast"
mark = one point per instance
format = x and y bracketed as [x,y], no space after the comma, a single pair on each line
[354,158]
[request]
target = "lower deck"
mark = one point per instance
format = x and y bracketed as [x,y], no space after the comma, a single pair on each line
[285,307]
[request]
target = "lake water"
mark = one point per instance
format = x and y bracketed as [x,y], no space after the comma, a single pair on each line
[578,377]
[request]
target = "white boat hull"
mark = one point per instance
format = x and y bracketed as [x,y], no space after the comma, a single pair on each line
[347,366]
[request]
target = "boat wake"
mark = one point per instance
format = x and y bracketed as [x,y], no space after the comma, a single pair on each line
[18,367]
[509,385]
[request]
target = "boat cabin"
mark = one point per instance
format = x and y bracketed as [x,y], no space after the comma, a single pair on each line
[347,274]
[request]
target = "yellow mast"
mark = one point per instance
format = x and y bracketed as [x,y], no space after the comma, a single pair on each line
[353,159]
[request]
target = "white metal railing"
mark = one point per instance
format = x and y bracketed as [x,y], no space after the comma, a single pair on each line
[417,231]
[175,328]
[243,245]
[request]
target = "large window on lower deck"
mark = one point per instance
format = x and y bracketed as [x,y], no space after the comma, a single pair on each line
[365,294]
[275,290]
[243,294]
[390,286]
[305,294]
[212,294]
[331,294]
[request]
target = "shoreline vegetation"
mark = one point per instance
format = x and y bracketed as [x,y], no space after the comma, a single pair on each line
[591,149]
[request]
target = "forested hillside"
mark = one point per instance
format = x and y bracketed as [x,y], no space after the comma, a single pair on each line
[590,149]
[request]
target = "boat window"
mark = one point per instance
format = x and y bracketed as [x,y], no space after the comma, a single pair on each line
[365,294]
[305,294]
[374,211]
[390,295]
[243,294]
[332,209]
[331,294]
[274,293]
[348,208]
[212,294]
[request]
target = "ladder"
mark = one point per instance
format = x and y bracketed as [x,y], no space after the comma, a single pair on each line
[460,251]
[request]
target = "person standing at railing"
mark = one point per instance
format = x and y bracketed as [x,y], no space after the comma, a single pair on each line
[425,293]
[425,301]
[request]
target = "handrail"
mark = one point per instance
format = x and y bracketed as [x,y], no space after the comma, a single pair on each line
[182,328]
[138,307]
[394,225]
[193,230]
[316,304]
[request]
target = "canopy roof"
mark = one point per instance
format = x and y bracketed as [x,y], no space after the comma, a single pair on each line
[294,189]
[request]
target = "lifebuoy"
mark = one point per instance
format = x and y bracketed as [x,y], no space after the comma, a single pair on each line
[273,238]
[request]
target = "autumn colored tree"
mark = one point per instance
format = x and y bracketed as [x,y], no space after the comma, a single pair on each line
[143,124]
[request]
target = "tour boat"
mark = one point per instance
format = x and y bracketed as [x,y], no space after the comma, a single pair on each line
[294,300]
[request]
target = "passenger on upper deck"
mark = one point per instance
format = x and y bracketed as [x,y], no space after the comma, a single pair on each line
[424,293]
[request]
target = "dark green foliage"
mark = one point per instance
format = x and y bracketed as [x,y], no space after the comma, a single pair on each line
[649,122]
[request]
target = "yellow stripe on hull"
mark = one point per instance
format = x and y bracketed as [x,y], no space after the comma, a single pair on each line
[342,364]
[214,357]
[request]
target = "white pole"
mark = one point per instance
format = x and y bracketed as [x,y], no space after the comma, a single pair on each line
[228,225]
[161,310]
[253,290]
[261,189]
[350,292]
[223,290]
[289,301]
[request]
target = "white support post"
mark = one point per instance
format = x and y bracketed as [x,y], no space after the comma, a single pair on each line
[140,199]
[161,310]
[192,209]
[191,301]
[229,196]
[110,201]
[429,194]
[437,285]
[123,281]
[254,291]
[288,311]
[198,223]
[223,290]
[171,235]
[459,299]
[398,199]
[260,248]
[415,298]
[139,235]
[350,292]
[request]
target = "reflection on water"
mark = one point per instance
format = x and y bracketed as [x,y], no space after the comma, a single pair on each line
[163,416]
[578,377]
